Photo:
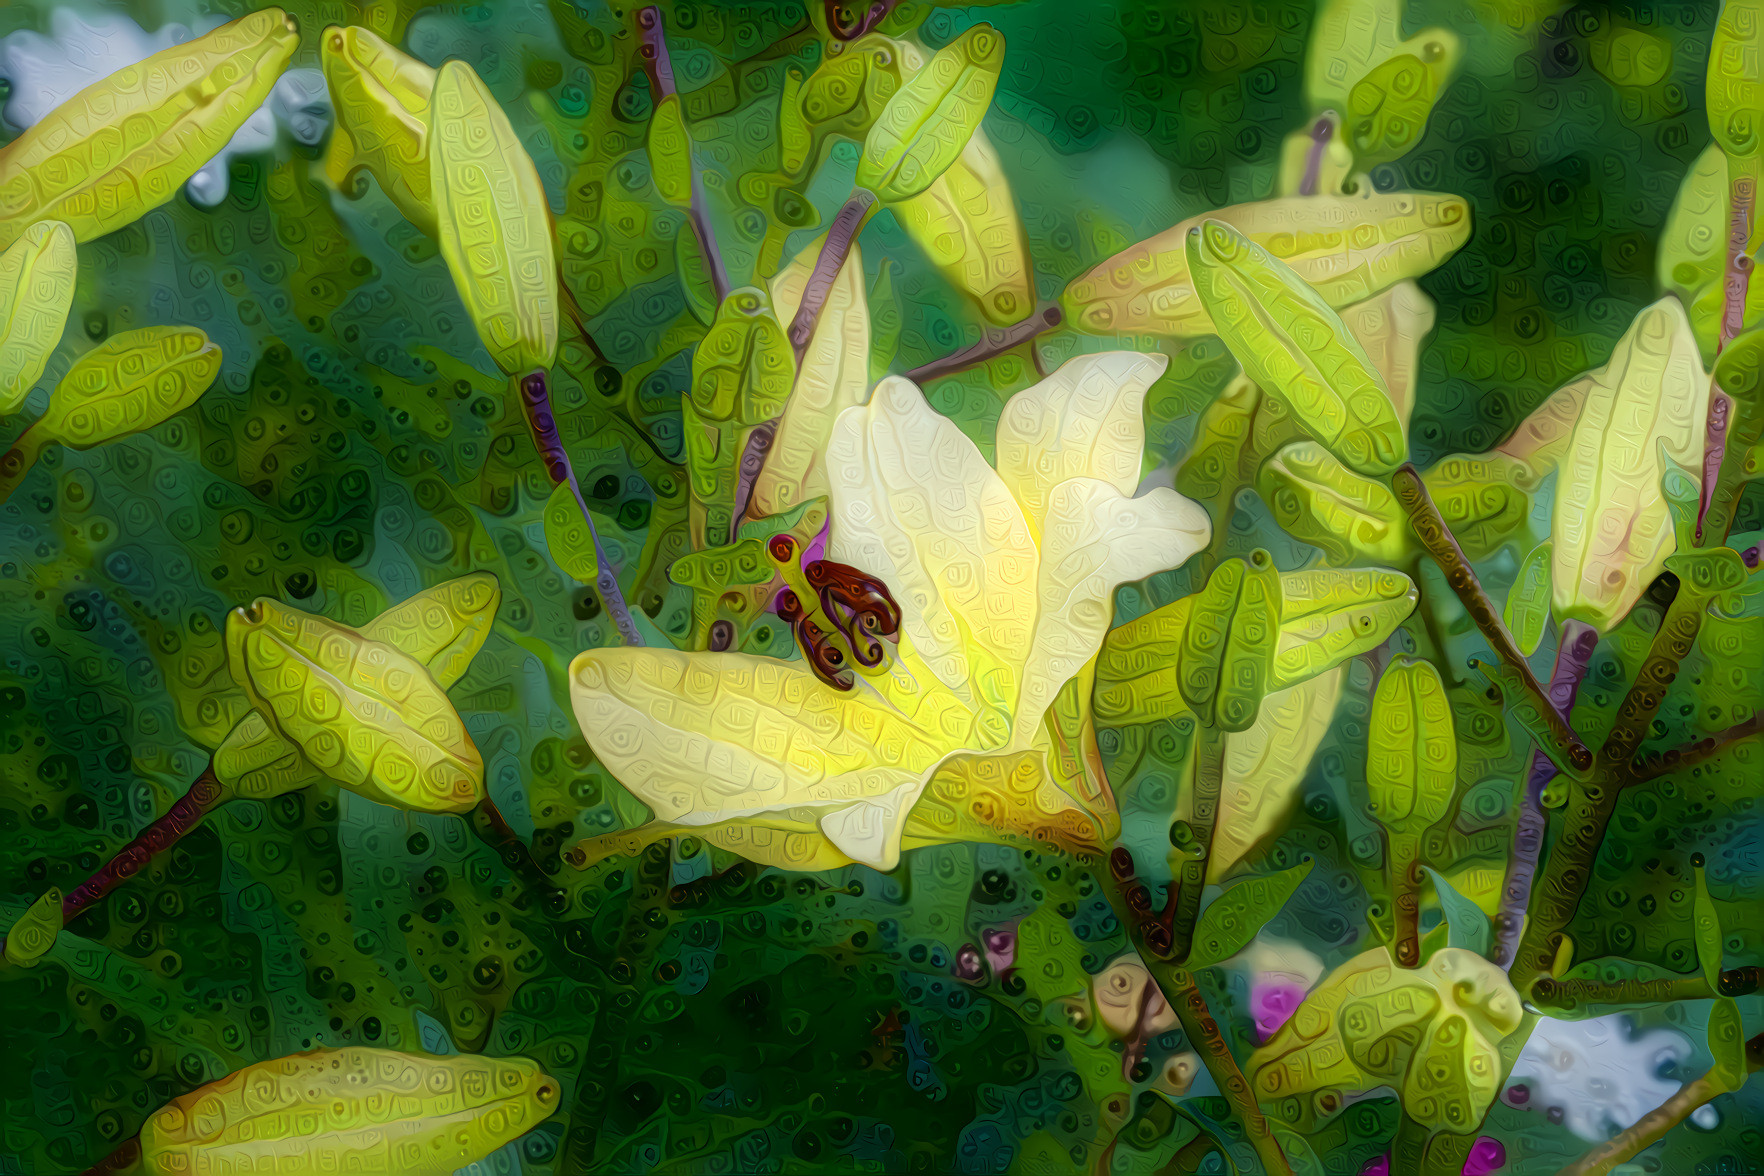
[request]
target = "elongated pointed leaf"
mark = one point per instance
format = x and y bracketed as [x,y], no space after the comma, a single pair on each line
[1468,924]
[1319,501]
[670,153]
[35,932]
[1734,94]
[381,97]
[567,536]
[1706,926]
[927,122]
[1347,248]
[37,274]
[1693,245]
[124,145]
[1232,920]
[1388,108]
[1351,39]
[362,711]
[1528,600]
[442,627]
[1412,749]
[1296,348]
[1265,767]
[1486,501]
[1247,666]
[128,383]
[742,374]
[1727,1044]
[967,224]
[493,223]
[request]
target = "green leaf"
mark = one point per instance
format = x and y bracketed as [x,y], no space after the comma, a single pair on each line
[568,537]
[1412,751]
[1707,928]
[1319,501]
[1683,495]
[1528,601]
[1470,927]
[695,279]
[670,153]
[1233,919]
[1296,348]
[930,119]
[1727,1044]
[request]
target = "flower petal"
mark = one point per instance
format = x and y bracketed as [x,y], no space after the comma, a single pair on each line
[1084,421]
[833,376]
[915,504]
[709,737]
[1095,539]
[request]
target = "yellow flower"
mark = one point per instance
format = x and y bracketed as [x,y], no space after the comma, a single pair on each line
[1004,579]
[350,1110]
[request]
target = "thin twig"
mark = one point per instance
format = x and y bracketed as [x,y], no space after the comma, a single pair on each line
[1573,654]
[994,342]
[1322,131]
[1653,765]
[1651,1128]
[835,248]
[654,52]
[1574,995]
[535,398]
[1430,527]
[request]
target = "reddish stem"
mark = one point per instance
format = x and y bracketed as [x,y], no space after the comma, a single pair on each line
[1714,449]
[873,16]
[1322,131]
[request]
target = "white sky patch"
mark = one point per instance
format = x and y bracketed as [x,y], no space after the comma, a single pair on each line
[1601,1077]
[83,48]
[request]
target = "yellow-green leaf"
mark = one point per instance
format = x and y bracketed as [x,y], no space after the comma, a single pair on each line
[351,1109]
[1528,601]
[568,537]
[493,223]
[742,373]
[1706,926]
[1412,748]
[1230,921]
[128,383]
[1351,39]
[1486,501]
[927,122]
[442,627]
[381,97]
[1296,348]
[124,145]
[1612,528]
[670,153]
[1319,501]
[1727,1045]
[1734,94]
[794,138]
[35,932]
[1248,663]
[1388,108]
[967,224]
[1326,617]
[1693,245]
[364,712]
[37,274]
[1346,248]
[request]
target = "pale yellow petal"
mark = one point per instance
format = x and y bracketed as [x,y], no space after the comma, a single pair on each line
[915,504]
[1084,421]
[709,737]
[833,376]
[1391,327]
[1095,539]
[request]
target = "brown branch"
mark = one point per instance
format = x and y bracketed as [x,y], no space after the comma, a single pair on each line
[1651,1128]
[1653,765]
[1573,654]
[1555,995]
[994,342]
[1430,527]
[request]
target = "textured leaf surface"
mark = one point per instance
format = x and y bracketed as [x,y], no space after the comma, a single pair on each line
[928,121]
[352,1109]
[362,711]
[381,97]
[493,222]
[1412,750]
[128,383]
[1230,921]
[37,274]
[1296,348]
[968,225]
[1528,600]
[1346,248]
[1469,926]
[670,153]
[124,145]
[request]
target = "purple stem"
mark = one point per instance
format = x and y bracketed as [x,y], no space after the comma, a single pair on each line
[753,460]
[834,250]
[1322,131]
[994,341]
[654,52]
[876,14]
[1753,555]
[1579,639]
[186,812]
[536,401]
[1714,449]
